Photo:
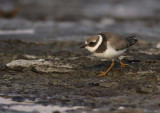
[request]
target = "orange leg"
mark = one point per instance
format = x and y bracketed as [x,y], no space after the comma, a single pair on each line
[104,73]
[122,64]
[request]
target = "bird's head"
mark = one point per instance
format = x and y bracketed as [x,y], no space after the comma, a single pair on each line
[92,42]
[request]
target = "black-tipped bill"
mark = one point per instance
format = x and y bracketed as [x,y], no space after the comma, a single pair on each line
[83,46]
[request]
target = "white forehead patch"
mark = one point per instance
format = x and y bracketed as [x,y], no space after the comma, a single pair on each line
[93,40]
[97,45]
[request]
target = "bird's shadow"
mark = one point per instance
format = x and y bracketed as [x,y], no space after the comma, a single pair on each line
[102,65]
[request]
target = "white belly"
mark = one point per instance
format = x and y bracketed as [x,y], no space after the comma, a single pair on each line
[110,53]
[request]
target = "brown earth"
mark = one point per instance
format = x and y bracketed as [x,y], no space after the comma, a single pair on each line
[136,87]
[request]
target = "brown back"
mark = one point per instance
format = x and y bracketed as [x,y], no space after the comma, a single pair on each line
[118,42]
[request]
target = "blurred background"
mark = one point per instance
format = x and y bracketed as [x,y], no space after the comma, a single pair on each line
[49,20]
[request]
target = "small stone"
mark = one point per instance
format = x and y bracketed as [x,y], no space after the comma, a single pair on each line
[158,45]
[144,90]
[94,84]
[121,108]
[18,99]
[30,56]
[157,89]
[109,84]
[129,110]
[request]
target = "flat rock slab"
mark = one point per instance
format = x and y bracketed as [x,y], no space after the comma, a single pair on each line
[40,65]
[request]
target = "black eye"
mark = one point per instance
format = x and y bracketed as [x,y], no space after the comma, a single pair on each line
[91,43]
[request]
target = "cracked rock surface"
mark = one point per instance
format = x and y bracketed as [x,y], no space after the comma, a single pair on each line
[40,65]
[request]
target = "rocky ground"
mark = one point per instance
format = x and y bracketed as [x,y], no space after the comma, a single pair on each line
[43,70]
[60,73]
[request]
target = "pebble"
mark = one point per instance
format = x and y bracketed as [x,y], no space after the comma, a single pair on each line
[158,45]
[144,90]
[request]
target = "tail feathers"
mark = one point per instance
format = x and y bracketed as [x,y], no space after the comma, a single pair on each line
[131,40]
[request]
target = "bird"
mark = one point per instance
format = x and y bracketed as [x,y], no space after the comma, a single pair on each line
[108,45]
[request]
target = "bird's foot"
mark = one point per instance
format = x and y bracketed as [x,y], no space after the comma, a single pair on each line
[123,65]
[102,74]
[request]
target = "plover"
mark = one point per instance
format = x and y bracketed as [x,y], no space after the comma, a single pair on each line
[108,45]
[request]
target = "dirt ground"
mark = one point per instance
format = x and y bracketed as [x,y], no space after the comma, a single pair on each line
[72,79]
[41,63]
